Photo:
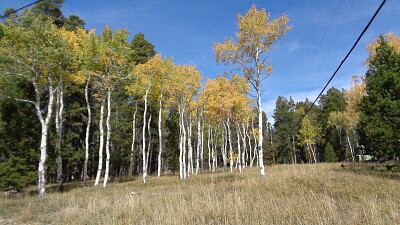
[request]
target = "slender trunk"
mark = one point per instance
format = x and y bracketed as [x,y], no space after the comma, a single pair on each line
[209,149]
[100,167]
[180,145]
[255,155]
[131,165]
[244,152]
[144,136]
[148,158]
[108,124]
[44,135]
[190,148]
[198,143]
[230,145]
[239,159]
[159,136]
[351,148]
[89,121]
[202,144]
[215,157]
[294,149]
[224,147]
[59,131]
[260,135]
[184,144]
[250,147]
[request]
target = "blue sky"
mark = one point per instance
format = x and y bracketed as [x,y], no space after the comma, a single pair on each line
[303,60]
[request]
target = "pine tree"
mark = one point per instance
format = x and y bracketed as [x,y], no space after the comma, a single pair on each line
[380,109]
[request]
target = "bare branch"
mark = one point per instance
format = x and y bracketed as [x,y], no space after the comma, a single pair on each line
[17,99]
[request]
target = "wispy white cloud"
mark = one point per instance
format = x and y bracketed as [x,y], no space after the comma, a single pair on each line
[295,45]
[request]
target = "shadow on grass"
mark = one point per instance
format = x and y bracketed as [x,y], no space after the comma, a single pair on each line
[69,186]
[379,169]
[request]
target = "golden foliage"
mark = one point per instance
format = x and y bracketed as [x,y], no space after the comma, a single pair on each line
[392,39]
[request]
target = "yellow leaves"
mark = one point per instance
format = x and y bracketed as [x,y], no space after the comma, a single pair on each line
[392,39]
[226,51]
[227,98]
[353,99]
[255,31]
[308,134]
[78,77]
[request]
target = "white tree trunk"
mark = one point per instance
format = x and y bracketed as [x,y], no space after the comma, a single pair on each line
[159,136]
[202,144]
[212,150]
[224,147]
[209,149]
[230,145]
[108,124]
[184,145]
[198,142]
[351,148]
[215,159]
[250,147]
[130,172]
[244,153]
[44,135]
[144,136]
[89,121]
[239,159]
[260,135]
[100,166]
[180,146]
[59,131]
[148,145]
[190,148]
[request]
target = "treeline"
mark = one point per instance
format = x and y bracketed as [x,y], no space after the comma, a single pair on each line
[347,125]
[78,105]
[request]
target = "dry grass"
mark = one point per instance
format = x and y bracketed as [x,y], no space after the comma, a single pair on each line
[290,194]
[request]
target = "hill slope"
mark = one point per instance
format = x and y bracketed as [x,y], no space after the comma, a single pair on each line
[290,194]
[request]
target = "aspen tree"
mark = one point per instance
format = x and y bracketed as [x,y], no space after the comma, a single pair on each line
[184,83]
[250,53]
[34,54]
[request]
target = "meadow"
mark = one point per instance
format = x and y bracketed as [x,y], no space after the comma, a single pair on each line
[290,194]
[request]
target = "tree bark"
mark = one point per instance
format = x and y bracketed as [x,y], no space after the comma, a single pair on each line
[230,144]
[89,121]
[260,133]
[224,147]
[184,144]
[239,159]
[100,166]
[108,124]
[209,149]
[202,144]
[190,148]
[159,136]
[351,148]
[180,145]
[131,165]
[148,158]
[144,136]
[198,142]
[59,131]
[244,154]
[44,135]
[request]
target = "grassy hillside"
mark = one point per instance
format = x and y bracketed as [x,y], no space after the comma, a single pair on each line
[290,194]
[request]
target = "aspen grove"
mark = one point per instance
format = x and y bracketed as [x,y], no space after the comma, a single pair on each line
[79,104]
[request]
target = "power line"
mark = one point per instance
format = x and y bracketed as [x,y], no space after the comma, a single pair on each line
[16,10]
[348,54]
